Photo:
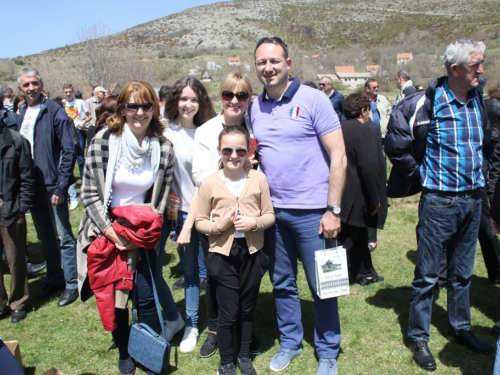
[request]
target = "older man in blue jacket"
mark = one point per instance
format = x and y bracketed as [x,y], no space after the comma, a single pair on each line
[435,142]
[48,129]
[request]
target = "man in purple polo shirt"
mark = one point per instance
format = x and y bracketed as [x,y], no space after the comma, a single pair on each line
[302,154]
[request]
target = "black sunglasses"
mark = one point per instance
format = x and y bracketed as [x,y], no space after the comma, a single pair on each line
[229,95]
[228,151]
[134,107]
[272,39]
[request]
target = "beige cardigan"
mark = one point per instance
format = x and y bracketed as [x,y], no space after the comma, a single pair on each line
[255,201]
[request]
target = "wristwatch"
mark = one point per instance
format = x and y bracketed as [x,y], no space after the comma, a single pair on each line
[334,209]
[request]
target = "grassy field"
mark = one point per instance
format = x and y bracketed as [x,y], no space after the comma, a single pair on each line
[373,320]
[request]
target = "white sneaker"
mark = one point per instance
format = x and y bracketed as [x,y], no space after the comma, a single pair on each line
[189,340]
[73,205]
[173,326]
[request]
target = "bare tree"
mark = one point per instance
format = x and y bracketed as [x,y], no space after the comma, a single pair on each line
[98,59]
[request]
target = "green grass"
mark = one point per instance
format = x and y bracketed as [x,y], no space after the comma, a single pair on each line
[373,320]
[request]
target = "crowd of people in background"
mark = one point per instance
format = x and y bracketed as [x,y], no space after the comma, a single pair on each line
[234,190]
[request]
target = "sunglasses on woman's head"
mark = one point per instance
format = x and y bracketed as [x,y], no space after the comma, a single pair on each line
[228,151]
[134,107]
[229,95]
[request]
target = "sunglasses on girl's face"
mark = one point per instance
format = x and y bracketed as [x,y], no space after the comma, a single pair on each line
[229,95]
[228,151]
[134,107]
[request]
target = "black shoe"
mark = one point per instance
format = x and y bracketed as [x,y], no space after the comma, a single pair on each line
[35,269]
[179,284]
[203,283]
[209,347]
[246,367]
[423,356]
[126,366]
[17,316]
[496,328]
[5,313]
[254,345]
[468,338]
[227,369]
[49,289]
[370,280]
[68,297]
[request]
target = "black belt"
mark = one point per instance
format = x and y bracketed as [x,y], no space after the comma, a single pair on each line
[465,193]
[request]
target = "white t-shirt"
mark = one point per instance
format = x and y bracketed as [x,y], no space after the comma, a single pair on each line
[236,188]
[183,141]
[76,110]
[28,125]
[131,187]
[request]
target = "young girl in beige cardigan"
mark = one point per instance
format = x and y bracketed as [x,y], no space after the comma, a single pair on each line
[234,208]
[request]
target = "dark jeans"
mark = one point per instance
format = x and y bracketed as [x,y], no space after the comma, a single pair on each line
[146,306]
[56,236]
[451,222]
[237,280]
[355,239]
[82,136]
[488,241]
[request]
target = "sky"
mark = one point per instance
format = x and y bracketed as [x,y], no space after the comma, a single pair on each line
[33,26]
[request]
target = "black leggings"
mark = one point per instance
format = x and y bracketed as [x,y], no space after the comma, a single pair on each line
[210,293]
[146,307]
[236,279]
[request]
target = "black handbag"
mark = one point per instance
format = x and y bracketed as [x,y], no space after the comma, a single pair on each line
[149,348]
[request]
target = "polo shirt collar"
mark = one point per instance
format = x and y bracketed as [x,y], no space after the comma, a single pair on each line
[289,92]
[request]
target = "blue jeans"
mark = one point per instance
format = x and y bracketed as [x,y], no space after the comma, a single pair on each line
[496,368]
[450,222]
[58,243]
[72,193]
[296,232]
[82,136]
[188,256]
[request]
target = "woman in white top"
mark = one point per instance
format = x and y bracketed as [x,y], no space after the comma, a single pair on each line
[235,94]
[187,106]
[130,163]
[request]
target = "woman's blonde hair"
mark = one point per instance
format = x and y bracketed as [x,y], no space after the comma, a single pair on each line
[236,80]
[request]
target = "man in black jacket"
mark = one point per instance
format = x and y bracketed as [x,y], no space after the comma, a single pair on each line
[17,188]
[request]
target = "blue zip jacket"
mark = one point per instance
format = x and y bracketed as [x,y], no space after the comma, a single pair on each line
[53,149]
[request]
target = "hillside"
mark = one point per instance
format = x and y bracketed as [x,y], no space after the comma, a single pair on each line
[321,25]
[338,32]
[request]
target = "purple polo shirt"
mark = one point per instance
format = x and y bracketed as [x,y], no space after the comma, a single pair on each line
[292,156]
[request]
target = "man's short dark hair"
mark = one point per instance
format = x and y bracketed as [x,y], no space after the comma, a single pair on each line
[78,95]
[8,93]
[368,81]
[163,92]
[68,86]
[404,74]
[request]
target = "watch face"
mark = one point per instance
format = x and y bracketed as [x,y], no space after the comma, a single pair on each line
[336,210]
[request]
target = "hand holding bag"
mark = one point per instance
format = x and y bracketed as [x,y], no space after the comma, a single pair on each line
[146,346]
[332,275]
